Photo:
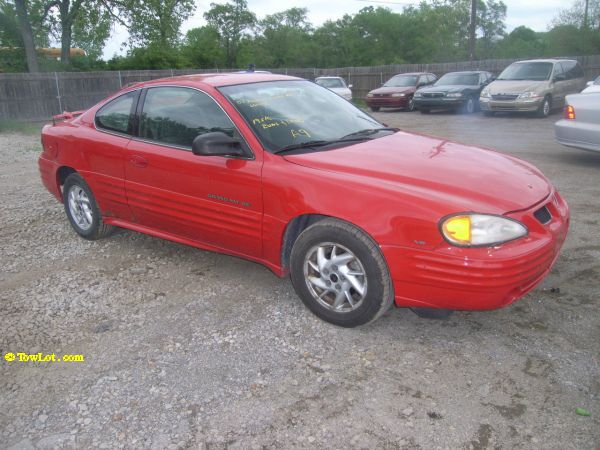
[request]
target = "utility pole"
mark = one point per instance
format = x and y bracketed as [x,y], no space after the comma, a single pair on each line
[472,29]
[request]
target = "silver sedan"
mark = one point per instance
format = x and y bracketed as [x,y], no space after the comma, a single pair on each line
[580,126]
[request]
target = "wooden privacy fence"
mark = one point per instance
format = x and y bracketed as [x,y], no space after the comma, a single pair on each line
[25,96]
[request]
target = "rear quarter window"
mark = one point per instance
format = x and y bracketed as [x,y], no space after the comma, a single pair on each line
[116,115]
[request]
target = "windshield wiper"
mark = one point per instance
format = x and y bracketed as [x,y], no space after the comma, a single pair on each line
[306,144]
[367,132]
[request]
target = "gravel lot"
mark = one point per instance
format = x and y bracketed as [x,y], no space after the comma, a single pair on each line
[190,349]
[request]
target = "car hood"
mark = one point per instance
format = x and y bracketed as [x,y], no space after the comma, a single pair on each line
[449,88]
[339,90]
[514,86]
[393,90]
[460,176]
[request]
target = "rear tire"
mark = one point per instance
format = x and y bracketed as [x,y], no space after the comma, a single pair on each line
[340,274]
[374,108]
[82,210]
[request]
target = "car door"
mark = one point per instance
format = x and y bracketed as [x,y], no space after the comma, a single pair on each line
[561,85]
[105,146]
[213,200]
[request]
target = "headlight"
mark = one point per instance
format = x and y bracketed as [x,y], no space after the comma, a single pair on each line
[529,95]
[485,93]
[418,94]
[454,94]
[398,95]
[369,95]
[468,230]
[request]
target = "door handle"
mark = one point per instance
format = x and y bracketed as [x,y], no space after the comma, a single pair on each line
[138,161]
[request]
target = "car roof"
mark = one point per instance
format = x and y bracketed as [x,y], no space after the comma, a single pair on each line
[328,76]
[469,71]
[548,60]
[414,73]
[218,79]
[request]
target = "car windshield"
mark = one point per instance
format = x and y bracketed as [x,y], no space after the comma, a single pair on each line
[285,114]
[330,82]
[527,71]
[401,81]
[458,79]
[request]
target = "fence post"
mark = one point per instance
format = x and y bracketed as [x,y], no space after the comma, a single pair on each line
[381,77]
[60,108]
[171,73]
[120,80]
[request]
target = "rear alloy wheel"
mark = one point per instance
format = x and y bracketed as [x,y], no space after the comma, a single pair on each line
[375,108]
[545,107]
[411,104]
[340,274]
[469,106]
[82,209]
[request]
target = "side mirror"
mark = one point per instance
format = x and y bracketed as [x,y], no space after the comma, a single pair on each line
[217,143]
[350,86]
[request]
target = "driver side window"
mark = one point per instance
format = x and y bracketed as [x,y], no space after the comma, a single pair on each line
[177,115]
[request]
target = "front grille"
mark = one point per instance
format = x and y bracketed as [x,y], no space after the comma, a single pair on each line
[543,215]
[505,96]
[433,94]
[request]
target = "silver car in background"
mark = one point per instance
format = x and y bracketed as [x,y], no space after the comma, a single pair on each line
[580,126]
[337,85]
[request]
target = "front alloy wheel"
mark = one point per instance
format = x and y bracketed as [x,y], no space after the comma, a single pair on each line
[335,277]
[339,273]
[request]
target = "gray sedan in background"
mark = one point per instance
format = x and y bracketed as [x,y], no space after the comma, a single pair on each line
[580,126]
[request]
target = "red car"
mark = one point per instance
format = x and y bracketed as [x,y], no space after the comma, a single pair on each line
[398,91]
[286,173]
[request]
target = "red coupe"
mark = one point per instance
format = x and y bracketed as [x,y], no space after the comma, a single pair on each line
[284,172]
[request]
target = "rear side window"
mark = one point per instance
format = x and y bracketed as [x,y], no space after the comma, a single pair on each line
[177,115]
[572,69]
[116,115]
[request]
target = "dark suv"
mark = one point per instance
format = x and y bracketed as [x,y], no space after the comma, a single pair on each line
[397,92]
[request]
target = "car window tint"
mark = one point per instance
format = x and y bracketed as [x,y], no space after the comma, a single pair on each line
[116,115]
[572,69]
[558,69]
[176,116]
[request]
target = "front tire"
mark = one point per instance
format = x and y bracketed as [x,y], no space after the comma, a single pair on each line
[82,210]
[340,275]
[545,108]
[469,107]
[375,108]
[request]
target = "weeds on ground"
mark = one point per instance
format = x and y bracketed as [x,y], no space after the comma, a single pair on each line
[12,126]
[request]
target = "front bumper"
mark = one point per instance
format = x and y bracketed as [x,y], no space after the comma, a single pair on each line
[529,105]
[480,278]
[440,102]
[387,102]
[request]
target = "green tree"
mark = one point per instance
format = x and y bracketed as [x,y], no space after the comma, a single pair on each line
[201,48]
[233,21]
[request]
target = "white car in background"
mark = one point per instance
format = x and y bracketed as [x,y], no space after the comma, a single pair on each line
[580,126]
[337,85]
[592,86]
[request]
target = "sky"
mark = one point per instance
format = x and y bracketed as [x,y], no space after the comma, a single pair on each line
[535,14]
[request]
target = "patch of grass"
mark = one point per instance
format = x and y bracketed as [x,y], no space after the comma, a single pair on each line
[12,126]
[359,102]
